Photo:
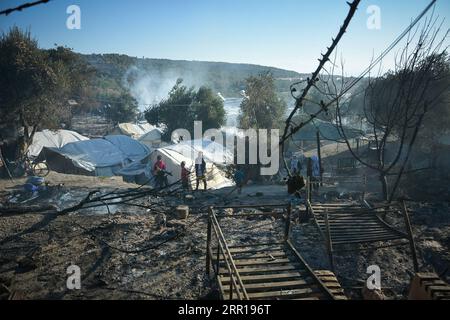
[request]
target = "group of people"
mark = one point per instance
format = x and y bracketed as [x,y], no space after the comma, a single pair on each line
[161,181]
[160,173]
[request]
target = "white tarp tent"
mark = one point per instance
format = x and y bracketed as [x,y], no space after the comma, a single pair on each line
[53,139]
[212,151]
[132,130]
[100,157]
[152,138]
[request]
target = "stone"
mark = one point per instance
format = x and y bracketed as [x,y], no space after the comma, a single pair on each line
[182,212]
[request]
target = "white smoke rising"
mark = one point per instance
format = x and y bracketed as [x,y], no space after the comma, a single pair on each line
[149,87]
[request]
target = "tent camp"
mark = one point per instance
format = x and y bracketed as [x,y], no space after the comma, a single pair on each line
[96,157]
[52,139]
[132,130]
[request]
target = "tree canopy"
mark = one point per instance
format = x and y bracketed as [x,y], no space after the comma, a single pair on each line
[185,105]
[262,108]
[36,84]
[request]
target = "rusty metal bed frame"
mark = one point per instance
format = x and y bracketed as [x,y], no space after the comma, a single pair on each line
[268,271]
[355,224]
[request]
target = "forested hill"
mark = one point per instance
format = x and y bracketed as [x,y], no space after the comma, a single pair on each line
[115,71]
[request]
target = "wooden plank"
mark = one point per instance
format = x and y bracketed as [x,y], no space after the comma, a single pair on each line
[288,294]
[346,234]
[268,269]
[255,250]
[362,237]
[255,262]
[253,245]
[363,241]
[260,255]
[272,277]
[278,286]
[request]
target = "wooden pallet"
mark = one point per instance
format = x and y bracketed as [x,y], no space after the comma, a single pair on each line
[343,224]
[428,286]
[275,272]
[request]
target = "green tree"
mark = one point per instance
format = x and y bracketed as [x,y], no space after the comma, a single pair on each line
[262,108]
[209,109]
[123,109]
[35,85]
[183,106]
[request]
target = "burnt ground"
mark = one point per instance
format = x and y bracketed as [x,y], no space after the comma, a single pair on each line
[126,254]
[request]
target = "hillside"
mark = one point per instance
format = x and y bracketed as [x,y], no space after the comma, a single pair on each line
[150,79]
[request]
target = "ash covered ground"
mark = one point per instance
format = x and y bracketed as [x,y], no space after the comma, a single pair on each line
[127,253]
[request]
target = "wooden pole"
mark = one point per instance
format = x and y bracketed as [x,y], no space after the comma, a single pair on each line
[329,241]
[410,236]
[319,154]
[288,222]
[208,242]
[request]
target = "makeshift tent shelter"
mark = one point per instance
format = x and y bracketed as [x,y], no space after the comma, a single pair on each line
[132,130]
[53,139]
[152,138]
[98,157]
[215,177]
[212,151]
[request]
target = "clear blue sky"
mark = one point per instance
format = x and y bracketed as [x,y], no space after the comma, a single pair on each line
[282,33]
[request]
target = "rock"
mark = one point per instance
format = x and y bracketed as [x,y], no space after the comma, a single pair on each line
[182,212]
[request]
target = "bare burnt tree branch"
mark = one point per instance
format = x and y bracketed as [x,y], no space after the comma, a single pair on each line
[310,82]
[290,130]
[23,6]
[396,103]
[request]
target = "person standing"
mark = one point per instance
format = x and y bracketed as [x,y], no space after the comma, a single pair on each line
[159,171]
[294,165]
[200,170]
[239,178]
[185,176]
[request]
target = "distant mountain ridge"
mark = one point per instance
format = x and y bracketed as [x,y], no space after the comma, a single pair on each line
[228,78]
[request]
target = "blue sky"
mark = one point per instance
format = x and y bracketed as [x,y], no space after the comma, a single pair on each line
[282,33]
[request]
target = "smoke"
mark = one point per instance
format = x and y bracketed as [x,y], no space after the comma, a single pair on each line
[150,86]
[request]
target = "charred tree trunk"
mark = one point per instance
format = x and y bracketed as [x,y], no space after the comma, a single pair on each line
[384,186]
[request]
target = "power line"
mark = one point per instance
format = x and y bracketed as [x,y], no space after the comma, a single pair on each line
[23,6]
[360,77]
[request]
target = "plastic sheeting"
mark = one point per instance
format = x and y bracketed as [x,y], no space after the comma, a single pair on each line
[212,151]
[53,139]
[151,138]
[104,156]
[133,130]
